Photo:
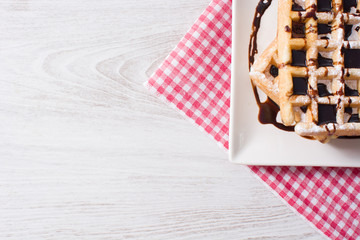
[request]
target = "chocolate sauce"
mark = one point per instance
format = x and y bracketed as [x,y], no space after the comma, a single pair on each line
[312,12]
[348,4]
[348,31]
[298,58]
[351,58]
[298,30]
[322,90]
[324,62]
[259,12]
[350,91]
[300,86]
[296,7]
[324,28]
[304,108]
[348,110]
[327,42]
[268,110]
[327,114]
[347,73]
[341,25]
[324,5]
[274,71]
[354,118]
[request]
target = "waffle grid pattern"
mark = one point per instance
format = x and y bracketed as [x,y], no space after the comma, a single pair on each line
[337,74]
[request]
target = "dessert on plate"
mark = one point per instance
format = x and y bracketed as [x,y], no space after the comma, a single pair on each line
[312,69]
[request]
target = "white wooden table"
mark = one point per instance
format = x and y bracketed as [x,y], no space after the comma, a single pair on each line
[87,153]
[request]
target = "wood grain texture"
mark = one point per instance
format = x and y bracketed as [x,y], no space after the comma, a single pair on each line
[87,153]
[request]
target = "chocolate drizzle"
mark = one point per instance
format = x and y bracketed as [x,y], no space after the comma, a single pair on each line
[300,85]
[298,30]
[312,12]
[259,12]
[348,110]
[324,5]
[354,118]
[322,90]
[347,73]
[327,114]
[298,58]
[324,62]
[324,28]
[348,31]
[274,71]
[348,4]
[296,7]
[350,92]
[303,109]
[351,58]
[268,110]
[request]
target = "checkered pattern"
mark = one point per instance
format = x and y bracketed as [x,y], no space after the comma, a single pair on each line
[195,79]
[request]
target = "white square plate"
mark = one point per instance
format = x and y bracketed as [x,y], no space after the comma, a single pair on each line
[252,143]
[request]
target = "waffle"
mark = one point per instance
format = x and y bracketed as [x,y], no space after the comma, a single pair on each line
[317,68]
[261,75]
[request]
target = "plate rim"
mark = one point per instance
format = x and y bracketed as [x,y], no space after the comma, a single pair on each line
[236,155]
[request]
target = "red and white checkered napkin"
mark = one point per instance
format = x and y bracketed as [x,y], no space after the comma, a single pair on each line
[195,79]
